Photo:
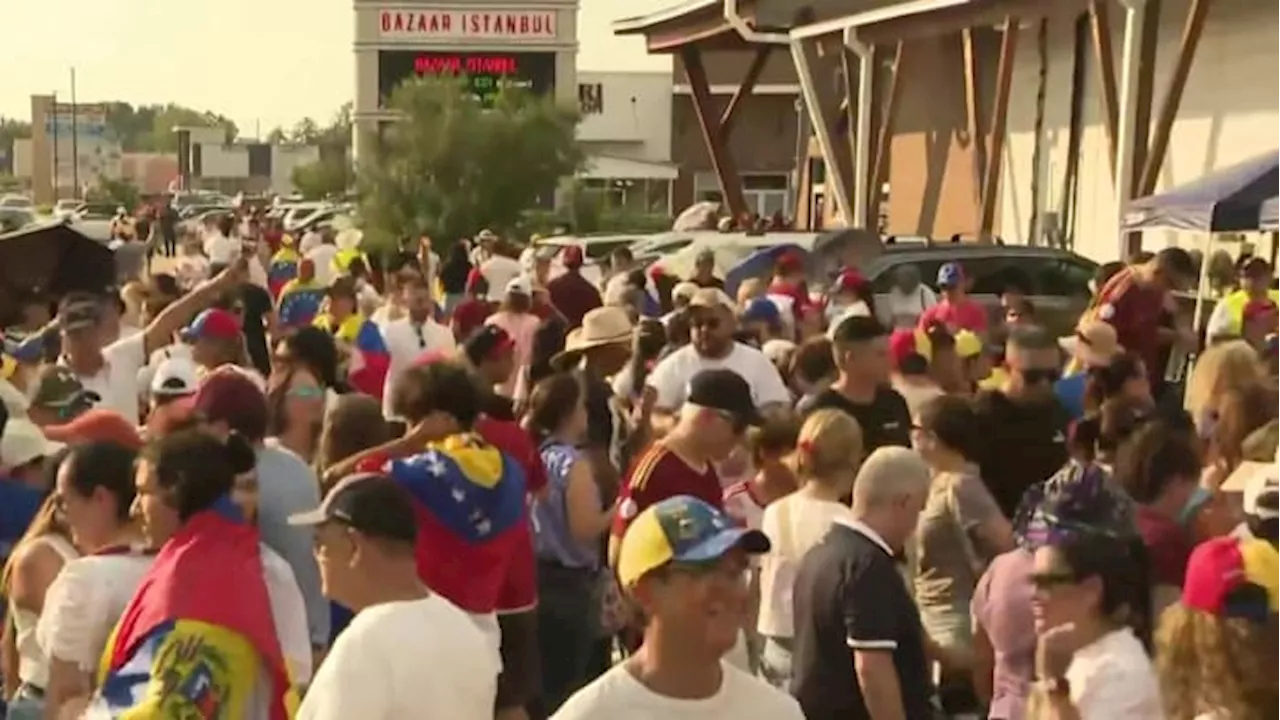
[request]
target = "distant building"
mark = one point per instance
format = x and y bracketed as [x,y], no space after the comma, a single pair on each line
[207,162]
[626,133]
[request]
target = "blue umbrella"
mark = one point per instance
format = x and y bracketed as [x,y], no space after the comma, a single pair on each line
[758,264]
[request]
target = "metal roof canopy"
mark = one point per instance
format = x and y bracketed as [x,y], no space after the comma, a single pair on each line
[705,23]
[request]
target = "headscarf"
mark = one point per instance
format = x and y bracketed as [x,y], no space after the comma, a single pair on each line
[1079,498]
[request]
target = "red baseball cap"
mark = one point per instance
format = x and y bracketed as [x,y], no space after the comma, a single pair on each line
[905,342]
[1230,577]
[213,324]
[488,343]
[572,257]
[849,281]
[97,425]
[790,260]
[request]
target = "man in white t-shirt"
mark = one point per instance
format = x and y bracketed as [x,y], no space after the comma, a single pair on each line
[498,271]
[220,245]
[365,534]
[322,255]
[111,370]
[407,338]
[684,563]
[711,327]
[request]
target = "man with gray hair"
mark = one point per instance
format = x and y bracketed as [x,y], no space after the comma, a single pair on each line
[859,648]
[1023,425]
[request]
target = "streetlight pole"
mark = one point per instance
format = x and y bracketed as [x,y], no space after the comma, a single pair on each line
[53,124]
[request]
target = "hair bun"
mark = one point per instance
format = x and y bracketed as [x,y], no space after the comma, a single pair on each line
[240,454]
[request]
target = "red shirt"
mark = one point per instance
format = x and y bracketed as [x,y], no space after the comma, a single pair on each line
[657,475]
[1168,545]
[510,438]
[1134,310]
[574,296]
[964,315]
[468,316]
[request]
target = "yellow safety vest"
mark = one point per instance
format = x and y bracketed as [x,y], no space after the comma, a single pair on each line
[1236,303]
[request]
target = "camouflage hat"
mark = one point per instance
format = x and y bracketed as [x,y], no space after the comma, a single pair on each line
[57,388]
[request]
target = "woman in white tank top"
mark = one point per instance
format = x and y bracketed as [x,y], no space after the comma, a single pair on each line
[35,562]
[95,487]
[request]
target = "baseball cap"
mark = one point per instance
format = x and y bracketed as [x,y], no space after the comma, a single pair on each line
[1232,577]
[174,377]
[24,442]
[572,257]
[905,342]
[761,309]
[212,324]
[724,390]
[710,298]
[488,343]
[97,425]
[681,529]
[226,394]
[1095,342]
[968,344]
[790,260]
[519,286]
[371,503]
[79,314]
[57,388]
[950,275]
[850,281]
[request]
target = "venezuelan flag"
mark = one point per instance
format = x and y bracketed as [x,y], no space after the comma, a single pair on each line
[299,302]
[470,501]
[198,632]
[368,359]
[282,269]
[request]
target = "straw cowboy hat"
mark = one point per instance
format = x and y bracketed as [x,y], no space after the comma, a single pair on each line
[608,325]
[1095,343]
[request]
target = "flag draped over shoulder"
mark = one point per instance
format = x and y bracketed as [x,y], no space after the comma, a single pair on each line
[470,501]
[368,359]
[299,303]
[198,632]
[282,269]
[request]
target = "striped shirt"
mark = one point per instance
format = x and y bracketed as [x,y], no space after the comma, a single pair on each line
[657,474]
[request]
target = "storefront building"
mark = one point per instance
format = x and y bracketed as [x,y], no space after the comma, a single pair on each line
[493,43]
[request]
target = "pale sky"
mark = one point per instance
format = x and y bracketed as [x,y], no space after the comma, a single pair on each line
[260,62]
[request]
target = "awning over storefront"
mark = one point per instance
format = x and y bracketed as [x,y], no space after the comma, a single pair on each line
[606,167]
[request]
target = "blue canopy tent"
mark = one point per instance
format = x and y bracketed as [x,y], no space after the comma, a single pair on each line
[1239,198]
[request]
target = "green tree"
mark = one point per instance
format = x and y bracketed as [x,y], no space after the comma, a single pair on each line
[454,163]
[330,175]
[13,129]
[338,132]
[115,192]
[149,128]
[277,136]
[304,132]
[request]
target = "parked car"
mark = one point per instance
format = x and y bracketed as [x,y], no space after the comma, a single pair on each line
[1058,279]
[15,218]
[16,201]
[65,208]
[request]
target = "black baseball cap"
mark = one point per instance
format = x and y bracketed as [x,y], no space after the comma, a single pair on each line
[371,503]
[725,390]
[79,312]
[487,343]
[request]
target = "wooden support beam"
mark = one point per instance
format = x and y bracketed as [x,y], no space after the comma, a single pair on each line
[848,110]
[1159,146]
[999,123]
[721,159]
[1146,91]
[1100,24]
[973,118]
[747,85]
[880,160]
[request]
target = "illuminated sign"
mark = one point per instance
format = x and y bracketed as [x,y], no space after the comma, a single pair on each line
[486,73]
[463,24]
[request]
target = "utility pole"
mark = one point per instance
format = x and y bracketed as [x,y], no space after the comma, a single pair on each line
[75,140]
[53,123]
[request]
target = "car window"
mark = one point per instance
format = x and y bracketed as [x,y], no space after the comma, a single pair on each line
[1064,277]
[882,282]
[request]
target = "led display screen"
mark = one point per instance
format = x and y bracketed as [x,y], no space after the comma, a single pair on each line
[486,72]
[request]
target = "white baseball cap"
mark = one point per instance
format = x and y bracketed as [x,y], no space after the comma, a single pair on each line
[520,286]
[23,441]
[175,377]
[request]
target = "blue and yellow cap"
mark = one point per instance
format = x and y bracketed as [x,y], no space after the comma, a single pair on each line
[681,529]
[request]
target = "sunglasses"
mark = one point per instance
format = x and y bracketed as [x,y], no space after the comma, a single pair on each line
[1052,579]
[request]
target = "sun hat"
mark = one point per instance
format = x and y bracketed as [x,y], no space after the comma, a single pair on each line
[1095,343]
[681,529]
[606,325]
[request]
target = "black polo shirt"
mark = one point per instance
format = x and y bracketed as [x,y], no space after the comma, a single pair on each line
[1023,444]
[885,421]
[850,596]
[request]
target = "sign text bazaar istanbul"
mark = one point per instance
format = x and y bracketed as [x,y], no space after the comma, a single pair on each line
[463,24]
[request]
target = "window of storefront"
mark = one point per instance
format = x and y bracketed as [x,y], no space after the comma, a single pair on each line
[766,193]
[643,195]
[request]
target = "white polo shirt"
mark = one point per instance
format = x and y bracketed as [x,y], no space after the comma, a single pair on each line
[116,382]
[404,345]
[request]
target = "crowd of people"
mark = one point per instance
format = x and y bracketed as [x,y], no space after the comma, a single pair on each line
[287,481]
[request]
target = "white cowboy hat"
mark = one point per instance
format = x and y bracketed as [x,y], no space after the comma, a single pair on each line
[1095,343]
[607,325]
